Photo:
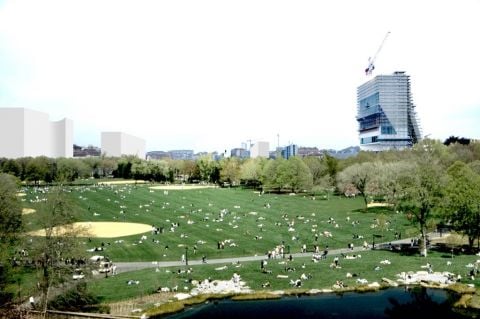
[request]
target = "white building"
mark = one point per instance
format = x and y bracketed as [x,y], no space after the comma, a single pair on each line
[25,132]
[260,149]
[118,143]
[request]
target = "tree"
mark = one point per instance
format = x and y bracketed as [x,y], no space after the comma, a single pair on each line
[69,169]
[10,226]
[318,168]
[295,175]
[59,243]
[390,178]
[107,166]
[421,193]
[251,171]
[12,167]
[230,170]
[360,176]
[208,168]
[39,169]
[462,201]
[455,139]
[332,166]
[270,176]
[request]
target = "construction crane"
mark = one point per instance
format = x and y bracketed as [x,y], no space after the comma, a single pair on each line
[371,61]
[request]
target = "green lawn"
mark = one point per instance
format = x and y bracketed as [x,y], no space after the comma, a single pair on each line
[252,224]
[115,288]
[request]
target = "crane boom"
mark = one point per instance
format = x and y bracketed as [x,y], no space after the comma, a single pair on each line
[371,61]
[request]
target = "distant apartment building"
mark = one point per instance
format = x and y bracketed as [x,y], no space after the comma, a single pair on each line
[386,114]
[117,144]
[240,153]
[181,154]
[309,151]
[89,151]
[289,151]
[260,149]
[27,132]
[157,155]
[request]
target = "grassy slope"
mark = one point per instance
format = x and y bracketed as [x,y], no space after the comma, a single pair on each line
[196,205]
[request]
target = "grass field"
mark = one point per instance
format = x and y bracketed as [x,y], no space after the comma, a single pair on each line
[323,277]
[248,223]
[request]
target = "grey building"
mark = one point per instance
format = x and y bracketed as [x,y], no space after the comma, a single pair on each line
[240,153]
[386,114]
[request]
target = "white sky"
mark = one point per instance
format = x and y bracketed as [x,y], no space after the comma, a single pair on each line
[209,75]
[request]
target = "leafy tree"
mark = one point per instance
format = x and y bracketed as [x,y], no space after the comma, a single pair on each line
[230,170]
[251,171]
[12,167]
[59,243]
[475,166]
[295,175]
[141,170]
[107,166]
[360,176]
[39,169]
[421,194]
[208,168]
[93,163]
[161,170]
[455,139]
[332,166]
[271,179]
[292,174]
[317,167]
[69,169]
[10,226]
[462,201]
[390,178]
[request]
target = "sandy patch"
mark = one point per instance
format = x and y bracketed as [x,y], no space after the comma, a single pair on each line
[181,187]
[379,205]
[26,211]
[122,182]
[101,229]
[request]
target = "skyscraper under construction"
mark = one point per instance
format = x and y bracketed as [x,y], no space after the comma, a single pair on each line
[386,114]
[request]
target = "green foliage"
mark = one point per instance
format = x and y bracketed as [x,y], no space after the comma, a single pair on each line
[462,200]
[360,176]
[10,226]
[78,299]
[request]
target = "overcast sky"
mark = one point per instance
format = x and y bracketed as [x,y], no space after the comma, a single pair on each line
[209,75]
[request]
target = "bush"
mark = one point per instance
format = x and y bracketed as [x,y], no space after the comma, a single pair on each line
[78,299]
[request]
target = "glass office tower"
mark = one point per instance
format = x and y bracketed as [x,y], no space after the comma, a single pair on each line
[386,114]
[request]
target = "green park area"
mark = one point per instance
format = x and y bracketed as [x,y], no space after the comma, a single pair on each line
[232,223]
[89,234]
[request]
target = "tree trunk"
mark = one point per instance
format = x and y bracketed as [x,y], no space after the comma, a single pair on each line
[423,248]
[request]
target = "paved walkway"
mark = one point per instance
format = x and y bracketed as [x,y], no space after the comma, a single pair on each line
[130,266]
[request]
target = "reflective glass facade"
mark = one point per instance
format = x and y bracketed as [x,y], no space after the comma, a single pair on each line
[386,114]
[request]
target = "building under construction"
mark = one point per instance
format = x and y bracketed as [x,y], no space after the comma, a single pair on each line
[386,114]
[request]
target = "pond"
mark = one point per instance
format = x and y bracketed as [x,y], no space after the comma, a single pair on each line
[417,302]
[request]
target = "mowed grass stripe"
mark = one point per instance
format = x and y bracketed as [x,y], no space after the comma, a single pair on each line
[104,203]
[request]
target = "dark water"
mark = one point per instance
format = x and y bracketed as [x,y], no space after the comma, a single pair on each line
[391,303]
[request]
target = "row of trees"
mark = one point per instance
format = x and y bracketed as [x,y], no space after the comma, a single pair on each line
[293,174]
[430,181]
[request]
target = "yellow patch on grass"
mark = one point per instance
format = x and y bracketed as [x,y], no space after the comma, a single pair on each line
[99,229]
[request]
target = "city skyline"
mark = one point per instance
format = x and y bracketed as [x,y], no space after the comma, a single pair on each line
[212,75]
